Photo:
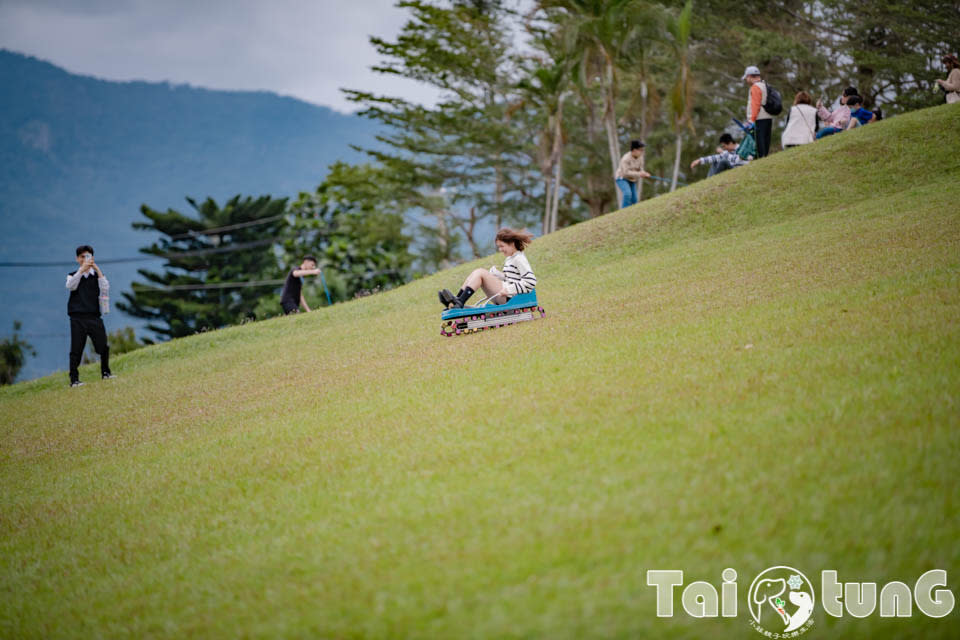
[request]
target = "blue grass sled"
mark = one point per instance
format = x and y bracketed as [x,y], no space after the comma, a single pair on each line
[519,308]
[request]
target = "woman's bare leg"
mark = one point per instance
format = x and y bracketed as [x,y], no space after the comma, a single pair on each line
[481,278]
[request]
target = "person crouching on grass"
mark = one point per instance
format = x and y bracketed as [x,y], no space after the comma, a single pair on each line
[517,276]
[83,307]
[291,298]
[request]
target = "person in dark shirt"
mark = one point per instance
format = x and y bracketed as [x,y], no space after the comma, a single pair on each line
[291,299]
[83,307]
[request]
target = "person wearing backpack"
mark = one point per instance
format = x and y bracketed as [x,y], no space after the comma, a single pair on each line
[763,103]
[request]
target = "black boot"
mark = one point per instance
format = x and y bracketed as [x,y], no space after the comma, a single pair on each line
[462,297]
[446,298]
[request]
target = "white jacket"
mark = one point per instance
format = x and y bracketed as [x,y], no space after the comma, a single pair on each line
[801,125]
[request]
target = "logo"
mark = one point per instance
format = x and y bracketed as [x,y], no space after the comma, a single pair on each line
[781,599]
[781,602]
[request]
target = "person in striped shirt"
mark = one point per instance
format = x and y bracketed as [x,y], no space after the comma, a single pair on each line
[516,277]
[725,158]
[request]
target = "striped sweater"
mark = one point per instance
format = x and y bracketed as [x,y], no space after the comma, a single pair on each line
[518,275]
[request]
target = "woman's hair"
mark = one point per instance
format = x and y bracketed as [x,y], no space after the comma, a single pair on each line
[636,144]
[802,97]
[520,239]
[850,91]
[951,61]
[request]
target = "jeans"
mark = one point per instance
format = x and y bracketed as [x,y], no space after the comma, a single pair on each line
[629,191]
[827,131]
[717,167]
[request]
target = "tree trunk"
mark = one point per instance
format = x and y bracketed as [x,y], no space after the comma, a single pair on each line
[610,124]
[498,195]
[676,163]
[547,206]
[556,192]
[643,131]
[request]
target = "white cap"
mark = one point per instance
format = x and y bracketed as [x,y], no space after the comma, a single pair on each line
[751,71]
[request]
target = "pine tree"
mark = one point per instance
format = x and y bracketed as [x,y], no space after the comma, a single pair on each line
[205,256]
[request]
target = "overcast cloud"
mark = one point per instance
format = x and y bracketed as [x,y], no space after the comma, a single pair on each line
[301,48]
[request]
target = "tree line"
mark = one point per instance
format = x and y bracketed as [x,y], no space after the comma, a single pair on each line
[537,101]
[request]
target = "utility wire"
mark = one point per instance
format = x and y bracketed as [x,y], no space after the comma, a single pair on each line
[162,256]
[229,227]
[200,287]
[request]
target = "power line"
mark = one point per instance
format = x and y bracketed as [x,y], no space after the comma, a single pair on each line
[163,256]
[229,227]
[199,287]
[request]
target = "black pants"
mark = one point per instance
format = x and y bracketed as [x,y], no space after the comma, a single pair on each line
[764,131]
[80,328]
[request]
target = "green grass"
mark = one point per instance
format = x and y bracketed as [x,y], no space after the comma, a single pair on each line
[760,369]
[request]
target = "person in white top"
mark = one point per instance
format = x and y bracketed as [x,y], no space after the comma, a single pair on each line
[88,289]
[517,276]
[951,86]
[802,125]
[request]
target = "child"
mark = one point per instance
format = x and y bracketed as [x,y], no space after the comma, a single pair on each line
[516,277]
[858,115]
[629,171]
[725,158]
[83,307]
[291,298]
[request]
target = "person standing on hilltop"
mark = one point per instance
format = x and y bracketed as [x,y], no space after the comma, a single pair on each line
[629,172]
[951,86]
[291,298]
[87,300]
[757,117]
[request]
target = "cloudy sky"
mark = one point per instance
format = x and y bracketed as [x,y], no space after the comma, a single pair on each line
[302,48]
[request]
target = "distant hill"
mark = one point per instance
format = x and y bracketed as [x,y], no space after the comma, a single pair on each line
[78,156]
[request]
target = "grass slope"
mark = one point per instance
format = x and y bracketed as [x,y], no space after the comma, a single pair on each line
[761,369]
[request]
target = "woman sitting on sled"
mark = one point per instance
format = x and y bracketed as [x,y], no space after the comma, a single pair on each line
[516,277]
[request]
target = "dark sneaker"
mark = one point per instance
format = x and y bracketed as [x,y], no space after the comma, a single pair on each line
[76,384]
[109,376]
[447,298]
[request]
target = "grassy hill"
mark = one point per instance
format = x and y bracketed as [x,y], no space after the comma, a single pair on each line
[760,369]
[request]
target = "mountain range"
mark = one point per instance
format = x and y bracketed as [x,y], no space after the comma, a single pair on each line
[80,155]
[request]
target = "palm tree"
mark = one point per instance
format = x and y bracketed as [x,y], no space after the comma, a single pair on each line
[681,96]
[546,89]
[603,33]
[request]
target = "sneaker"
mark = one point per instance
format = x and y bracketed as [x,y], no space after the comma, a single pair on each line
[447,298]
[109,376]
[76,384]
